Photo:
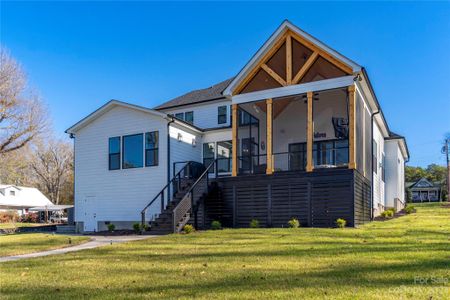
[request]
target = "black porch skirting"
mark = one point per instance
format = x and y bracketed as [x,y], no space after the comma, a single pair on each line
[316,199]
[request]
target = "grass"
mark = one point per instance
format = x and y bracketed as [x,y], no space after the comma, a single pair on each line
[19,224]
[380,260]
[14,244]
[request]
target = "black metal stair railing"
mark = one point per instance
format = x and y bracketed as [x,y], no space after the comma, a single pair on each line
[190,171]
[184,209]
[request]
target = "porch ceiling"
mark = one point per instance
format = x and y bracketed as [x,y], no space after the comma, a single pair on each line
[278,106]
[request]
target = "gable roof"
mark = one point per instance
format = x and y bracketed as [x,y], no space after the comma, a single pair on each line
[402,141]
[116,103]
[213,92]
[285,26]
[107,107]
[25,197]
[424,183]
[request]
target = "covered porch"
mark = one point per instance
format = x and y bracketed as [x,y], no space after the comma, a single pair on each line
[299,132]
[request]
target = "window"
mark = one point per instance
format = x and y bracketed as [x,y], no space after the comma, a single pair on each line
[224,156]
[221,114]
[179,116]
[341,152]
[12,193]
[208,155]
[189,117]
[114,153]
[151,148]
[132,151]
[246,119]
[297,156]
[374,157]
[331,153]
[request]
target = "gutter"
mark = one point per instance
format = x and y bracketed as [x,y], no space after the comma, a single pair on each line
[371,157]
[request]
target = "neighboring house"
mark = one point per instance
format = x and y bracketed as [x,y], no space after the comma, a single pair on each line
[297,133]
[19,198]
[424,190]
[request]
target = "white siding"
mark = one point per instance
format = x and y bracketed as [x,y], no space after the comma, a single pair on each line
[117,195]
[205,114]
[217,135]
[378,183]
[395,183]
[182,147]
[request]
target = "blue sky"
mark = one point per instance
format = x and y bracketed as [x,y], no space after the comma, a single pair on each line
[80,55]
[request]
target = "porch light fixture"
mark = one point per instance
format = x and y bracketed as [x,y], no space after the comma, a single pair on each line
[194,142]
[180,137]
[255,107]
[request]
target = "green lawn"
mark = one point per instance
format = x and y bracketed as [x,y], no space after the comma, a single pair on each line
[378,261]
[14,244]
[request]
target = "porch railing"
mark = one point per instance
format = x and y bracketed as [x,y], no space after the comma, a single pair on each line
[293,160]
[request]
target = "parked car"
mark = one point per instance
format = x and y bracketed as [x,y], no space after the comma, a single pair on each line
[58,217]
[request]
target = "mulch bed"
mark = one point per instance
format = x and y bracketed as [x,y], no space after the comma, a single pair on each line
[113,233]
[396,215]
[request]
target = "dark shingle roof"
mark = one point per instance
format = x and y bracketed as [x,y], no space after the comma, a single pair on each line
[211,93]
[395,136]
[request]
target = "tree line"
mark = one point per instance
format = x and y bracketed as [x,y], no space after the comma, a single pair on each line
[30,153]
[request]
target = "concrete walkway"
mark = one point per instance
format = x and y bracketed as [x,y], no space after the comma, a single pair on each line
[97,241]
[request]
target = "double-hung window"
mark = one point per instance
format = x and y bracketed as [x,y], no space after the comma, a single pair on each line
[114,153]
[222,114]
[189,117]
[132,151]
[151,148]
[180,116]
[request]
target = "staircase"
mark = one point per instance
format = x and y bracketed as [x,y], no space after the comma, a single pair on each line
[188,188]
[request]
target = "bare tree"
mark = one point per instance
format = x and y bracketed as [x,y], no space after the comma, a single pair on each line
[15,167]
[22,113]
[52,166]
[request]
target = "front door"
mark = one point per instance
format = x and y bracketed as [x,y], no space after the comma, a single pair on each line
[90,216]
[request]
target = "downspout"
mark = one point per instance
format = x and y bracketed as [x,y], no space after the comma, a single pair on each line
[371,158]
[168,158]
[72,136]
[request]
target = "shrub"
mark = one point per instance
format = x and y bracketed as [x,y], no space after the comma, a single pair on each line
[215,225]
[254,223]
[188,228]
[111,227]
[409,209]
[387,214]
[341,223]
[30,218]
[392,209]
[8,216]
[293,223]
[137,227]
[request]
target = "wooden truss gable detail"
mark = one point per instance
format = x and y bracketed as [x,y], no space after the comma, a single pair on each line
[291,60]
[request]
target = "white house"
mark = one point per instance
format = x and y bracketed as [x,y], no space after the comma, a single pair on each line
[298,132]
[19,198]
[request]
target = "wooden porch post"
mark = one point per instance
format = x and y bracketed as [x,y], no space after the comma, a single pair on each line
[234,139]
[269,152]
[351,127]
[309,134]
